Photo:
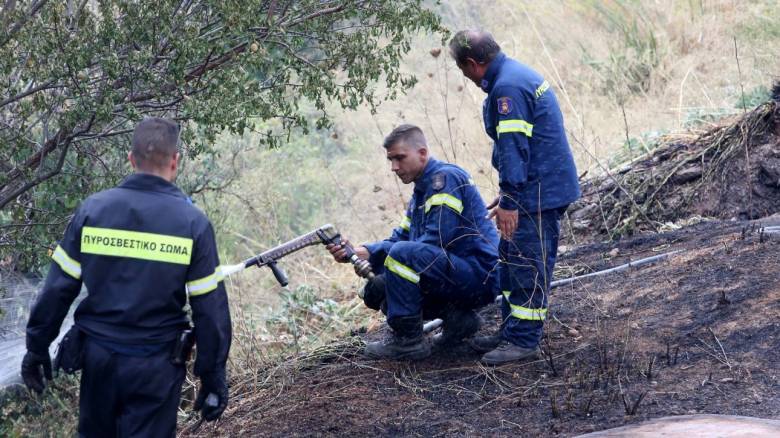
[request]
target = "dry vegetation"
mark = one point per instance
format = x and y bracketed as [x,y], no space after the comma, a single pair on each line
[650,342]
[730,172]
[632,77]
[682,54]
[638,82]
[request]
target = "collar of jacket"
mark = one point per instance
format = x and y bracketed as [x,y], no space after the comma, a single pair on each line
[490,75]
[149,182]
[421,185]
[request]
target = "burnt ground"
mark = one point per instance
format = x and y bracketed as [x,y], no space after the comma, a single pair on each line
[697,333]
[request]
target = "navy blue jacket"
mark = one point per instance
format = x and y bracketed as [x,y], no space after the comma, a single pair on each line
[531,153]
[141,249]
[447,211]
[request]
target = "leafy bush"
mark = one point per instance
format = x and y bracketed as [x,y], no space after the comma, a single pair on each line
[77,76]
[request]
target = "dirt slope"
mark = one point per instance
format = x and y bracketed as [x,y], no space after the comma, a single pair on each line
[731,171]
[695,334]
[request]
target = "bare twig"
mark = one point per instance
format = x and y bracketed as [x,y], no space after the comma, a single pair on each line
[722,350]
[739,71]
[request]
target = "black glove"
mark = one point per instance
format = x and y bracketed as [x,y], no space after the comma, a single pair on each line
[374,292]
[213,395]
[31,370]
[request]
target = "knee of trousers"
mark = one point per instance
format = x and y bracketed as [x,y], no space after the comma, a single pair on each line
[413,254]
[408,260]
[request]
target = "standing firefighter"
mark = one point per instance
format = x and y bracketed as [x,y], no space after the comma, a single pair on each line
[438,262]
[537,180]
[140,248]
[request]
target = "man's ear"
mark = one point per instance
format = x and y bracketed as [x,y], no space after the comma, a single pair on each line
[424,151]
[175,161]
[131,159]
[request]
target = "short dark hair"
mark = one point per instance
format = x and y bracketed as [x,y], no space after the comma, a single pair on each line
[155,141]
[475,44]
[409,134]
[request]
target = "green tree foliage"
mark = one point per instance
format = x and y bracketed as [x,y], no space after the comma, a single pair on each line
[76,75]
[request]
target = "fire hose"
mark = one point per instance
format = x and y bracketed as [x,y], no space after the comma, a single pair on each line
[436,323]
[327,234]
[324,235]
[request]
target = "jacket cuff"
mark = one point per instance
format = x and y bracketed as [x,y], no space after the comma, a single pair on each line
[509,200]
[372,247]
[36,347]
[377,251]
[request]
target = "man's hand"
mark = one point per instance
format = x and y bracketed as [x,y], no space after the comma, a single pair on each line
[213,395]
[339,253]
[506,220]
[31,370]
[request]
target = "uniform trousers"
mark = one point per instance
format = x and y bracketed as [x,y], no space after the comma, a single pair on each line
[128,396]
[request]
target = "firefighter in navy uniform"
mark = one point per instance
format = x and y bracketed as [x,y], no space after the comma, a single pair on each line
[142,250]
[439,262]
[537,180]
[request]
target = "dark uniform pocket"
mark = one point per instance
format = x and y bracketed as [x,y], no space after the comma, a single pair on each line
[70,352]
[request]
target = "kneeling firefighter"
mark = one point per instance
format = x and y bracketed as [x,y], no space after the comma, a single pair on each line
[439,262]
[141,249]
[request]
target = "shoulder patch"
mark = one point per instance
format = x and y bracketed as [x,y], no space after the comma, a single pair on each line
[438,181]
[504,105]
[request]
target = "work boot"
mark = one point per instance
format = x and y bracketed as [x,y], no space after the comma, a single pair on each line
[407,342]
[457,324]
[484,344]
[507,352]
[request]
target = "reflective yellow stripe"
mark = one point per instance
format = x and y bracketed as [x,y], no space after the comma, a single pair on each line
[526,313]
[206,284]
[541,89]
[401,270]
[405,223]
[514,125]
[66,263]
[136,245]
[444,199]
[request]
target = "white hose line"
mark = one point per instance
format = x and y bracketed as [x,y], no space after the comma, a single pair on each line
[620,268]
[436,323]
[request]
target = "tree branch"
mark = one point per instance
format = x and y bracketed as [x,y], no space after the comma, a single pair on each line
[8,7]
[33,161]
[33,90]
[62,139]
[33,10]
[39,179]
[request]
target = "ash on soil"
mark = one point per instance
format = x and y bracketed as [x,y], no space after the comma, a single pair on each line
[697,333]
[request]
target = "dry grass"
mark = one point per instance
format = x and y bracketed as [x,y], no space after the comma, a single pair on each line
[714,174]
[693,71]
[683,51]
[682,66]
[687,69]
